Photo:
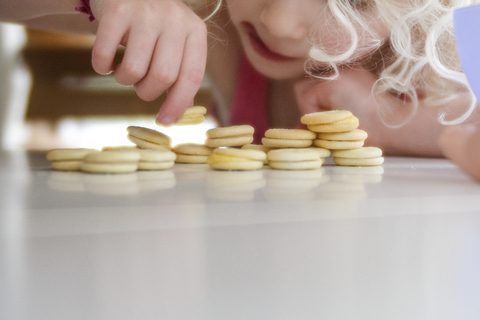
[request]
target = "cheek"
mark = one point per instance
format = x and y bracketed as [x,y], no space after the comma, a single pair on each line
[335,39]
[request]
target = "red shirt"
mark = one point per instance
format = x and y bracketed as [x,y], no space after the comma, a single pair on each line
[249,105]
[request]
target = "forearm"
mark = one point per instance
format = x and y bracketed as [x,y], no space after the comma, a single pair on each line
[64,23]
[21,10]
[50,15]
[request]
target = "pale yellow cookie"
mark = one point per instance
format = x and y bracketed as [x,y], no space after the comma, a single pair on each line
[157,155]
[233,141]
[192,152]
[353,135]
[156,159]
[236,159]
[190,158]
[191,116]
[325,117]
[69,153]
[192,149]
[290,134]
[322,151]
[284,143]
[120,148]
[190,121]
[111,162]
[234,136]
[155,165]
[294,159]
[344,125]
[260,147]
[358,161]
[194,111]
[364,152]
[303,154]
[242,153]
[149,135]
[222,132]
[143,144]
[112,156]
[66,165]
[338,145]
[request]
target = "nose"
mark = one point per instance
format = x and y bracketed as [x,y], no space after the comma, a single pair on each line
[284,19]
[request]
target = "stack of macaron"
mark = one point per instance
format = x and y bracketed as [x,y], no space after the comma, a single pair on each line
[68,159]
[337,130]
[191,116]
[294,159]
[233,136]
[111,162]
[192,152]
[236,159]
[288,138]
[365,156]
[146,138]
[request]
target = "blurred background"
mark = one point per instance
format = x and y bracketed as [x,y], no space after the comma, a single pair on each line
[50,96]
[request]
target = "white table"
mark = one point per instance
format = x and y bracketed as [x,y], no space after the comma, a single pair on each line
[191,243]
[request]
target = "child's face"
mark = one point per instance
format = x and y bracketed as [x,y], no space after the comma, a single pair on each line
[277,35]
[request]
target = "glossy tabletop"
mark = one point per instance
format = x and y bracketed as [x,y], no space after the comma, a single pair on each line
[400,241]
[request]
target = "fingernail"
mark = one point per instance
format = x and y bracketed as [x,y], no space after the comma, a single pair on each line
[166,121]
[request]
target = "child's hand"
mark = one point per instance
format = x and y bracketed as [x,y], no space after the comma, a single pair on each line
[381,117]
[461,144]
[165,50]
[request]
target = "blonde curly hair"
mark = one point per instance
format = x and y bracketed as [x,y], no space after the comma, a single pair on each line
[422,51]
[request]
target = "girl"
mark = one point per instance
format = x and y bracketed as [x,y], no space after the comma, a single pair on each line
[392,63]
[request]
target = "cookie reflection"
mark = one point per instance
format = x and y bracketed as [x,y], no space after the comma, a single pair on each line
[156,180]
[357,174]
[293,185]
[234,185]
[112,184]
[349,182]
[66,181]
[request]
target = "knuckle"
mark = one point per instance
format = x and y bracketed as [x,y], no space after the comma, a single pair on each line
[133,72]
[124,78]
[175,10]
[166,75]
[195,75]
[145,94]
[118,9]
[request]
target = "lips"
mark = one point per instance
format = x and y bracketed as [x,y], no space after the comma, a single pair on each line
[260,47]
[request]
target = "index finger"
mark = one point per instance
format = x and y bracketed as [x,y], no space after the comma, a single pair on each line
[181,95]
